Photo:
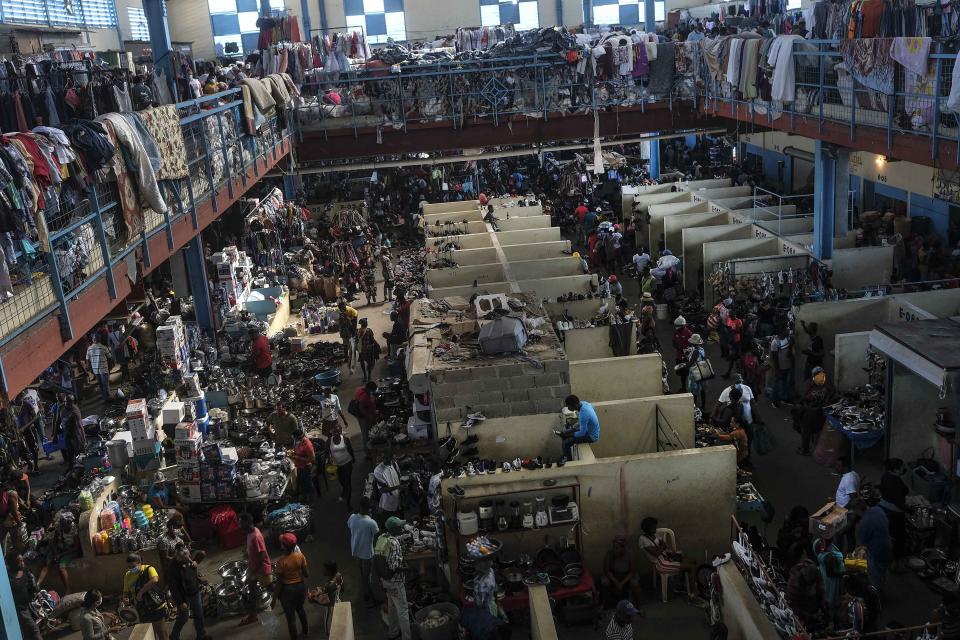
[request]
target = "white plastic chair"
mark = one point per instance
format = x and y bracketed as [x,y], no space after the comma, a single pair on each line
[667,536]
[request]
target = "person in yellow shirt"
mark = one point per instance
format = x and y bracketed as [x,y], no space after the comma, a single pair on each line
[141,584]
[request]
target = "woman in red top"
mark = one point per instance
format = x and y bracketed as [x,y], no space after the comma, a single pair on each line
[735,337]
[367,400]
[303,457]
[681,341]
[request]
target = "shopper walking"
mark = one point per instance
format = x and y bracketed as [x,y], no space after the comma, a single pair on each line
[873,531]
[368,349]
[340,454]
[697,384]
[363,531]
[331,413]
[184,582]
[367,413]
[347,323]
[141,585]
[781,355]
[386,266]
[75,438]
[290,587]
[24,588]
[389,568]
[98,357]
[259,566]
[681,342]
[303,456]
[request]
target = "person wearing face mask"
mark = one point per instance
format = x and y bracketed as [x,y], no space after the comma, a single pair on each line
[340,453]
[141,585]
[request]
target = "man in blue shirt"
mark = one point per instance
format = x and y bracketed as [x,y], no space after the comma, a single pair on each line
[363,531]
[589,429]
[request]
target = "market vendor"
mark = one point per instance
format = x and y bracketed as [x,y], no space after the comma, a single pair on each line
[261,358]
[619,578]
[283,423]
[331,412]
[303,456]
[161,495]
[588,430]
[734,433]
[386,476]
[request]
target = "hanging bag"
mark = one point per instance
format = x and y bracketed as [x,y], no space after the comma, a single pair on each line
[702,370]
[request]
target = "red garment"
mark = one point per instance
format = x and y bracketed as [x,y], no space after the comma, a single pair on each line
[257,548]
[681,340]
[304,454]
[404,312]
[18,110]
[735,326]
[752,371]
[871,13]
[581,213]
[260,352]
[368,405]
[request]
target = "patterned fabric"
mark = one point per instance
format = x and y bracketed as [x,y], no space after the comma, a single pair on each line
[129,200]
[164,124]
[869,62]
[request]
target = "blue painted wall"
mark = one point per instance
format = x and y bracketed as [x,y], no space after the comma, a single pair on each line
[937,210]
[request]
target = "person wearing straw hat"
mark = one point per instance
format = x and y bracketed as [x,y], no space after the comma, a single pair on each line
[698,387]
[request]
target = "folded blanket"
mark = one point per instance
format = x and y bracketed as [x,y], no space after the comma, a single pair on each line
[261,92]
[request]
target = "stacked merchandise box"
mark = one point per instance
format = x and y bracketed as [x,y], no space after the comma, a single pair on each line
[146,444]
[234,274]
[172,344]
[218,473]
[187,445]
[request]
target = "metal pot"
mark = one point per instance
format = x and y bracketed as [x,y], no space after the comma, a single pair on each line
[249,402]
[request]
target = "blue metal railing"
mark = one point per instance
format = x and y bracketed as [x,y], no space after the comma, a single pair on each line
[828,92]
[458,92]
[86,241]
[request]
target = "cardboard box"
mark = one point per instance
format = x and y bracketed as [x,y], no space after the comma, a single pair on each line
[190,491]
[173,412]
[148,445]
[188,475]
[229,454]
[186,431]
[828,521]
[141,429]
[137,408]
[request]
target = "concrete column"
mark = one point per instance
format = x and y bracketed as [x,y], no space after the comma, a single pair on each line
[649,15]
[199,283]
[156,12]
[178,272]
[831,180]
[654,159]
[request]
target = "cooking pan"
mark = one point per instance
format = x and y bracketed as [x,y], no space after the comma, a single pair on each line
[570,556]
[548,556]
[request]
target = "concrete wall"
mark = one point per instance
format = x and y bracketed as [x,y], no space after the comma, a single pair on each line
[849,358]
[689,491]
[547,268]
[642,202]
[742,614]
[590,343]
[788,226]
[721,192]
[674,225]
[499,391]
[855,269]
[468,290]
[915,404]
[624,378]
[481,274]
[453,216]
[714,252]
[471,257]
[693,241]
[452,229]
[447,207]
[942,304]
[710,183]
[552,288]
[519,224]
[537,250]
[507,238]
[630,426]
[466,241]
[542,625]
[510,213]
[577,309]
[658,212]
[523,436]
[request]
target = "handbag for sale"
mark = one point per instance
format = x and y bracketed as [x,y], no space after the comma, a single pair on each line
[702,370]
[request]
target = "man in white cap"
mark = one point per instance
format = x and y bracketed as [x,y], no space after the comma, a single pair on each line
[681,342]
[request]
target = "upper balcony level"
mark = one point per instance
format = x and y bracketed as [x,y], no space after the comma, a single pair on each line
[85,261]
[525,99]
[853,93]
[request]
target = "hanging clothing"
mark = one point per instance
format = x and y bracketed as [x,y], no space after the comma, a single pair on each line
[163,126]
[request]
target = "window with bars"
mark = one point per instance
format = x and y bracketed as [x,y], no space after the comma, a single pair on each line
[234,22]
[138,24]
[378,19]
[625,12]
[522,14]
[59,13]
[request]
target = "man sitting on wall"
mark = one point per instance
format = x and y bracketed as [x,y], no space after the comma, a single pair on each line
[588,429]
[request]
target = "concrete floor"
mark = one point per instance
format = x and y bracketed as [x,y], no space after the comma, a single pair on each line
[784,478]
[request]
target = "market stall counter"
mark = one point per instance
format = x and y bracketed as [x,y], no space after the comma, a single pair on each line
[109,568]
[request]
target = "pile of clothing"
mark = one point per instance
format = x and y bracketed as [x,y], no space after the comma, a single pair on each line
[264,98]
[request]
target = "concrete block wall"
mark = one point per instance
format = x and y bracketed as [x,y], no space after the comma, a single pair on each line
[499,390]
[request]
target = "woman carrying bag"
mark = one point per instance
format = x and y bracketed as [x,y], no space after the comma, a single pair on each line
[699,371]
[141,584]
[340,459]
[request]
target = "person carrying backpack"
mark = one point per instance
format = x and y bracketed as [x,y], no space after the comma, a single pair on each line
[388,568]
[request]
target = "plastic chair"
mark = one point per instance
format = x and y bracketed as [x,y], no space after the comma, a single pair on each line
[667,536]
